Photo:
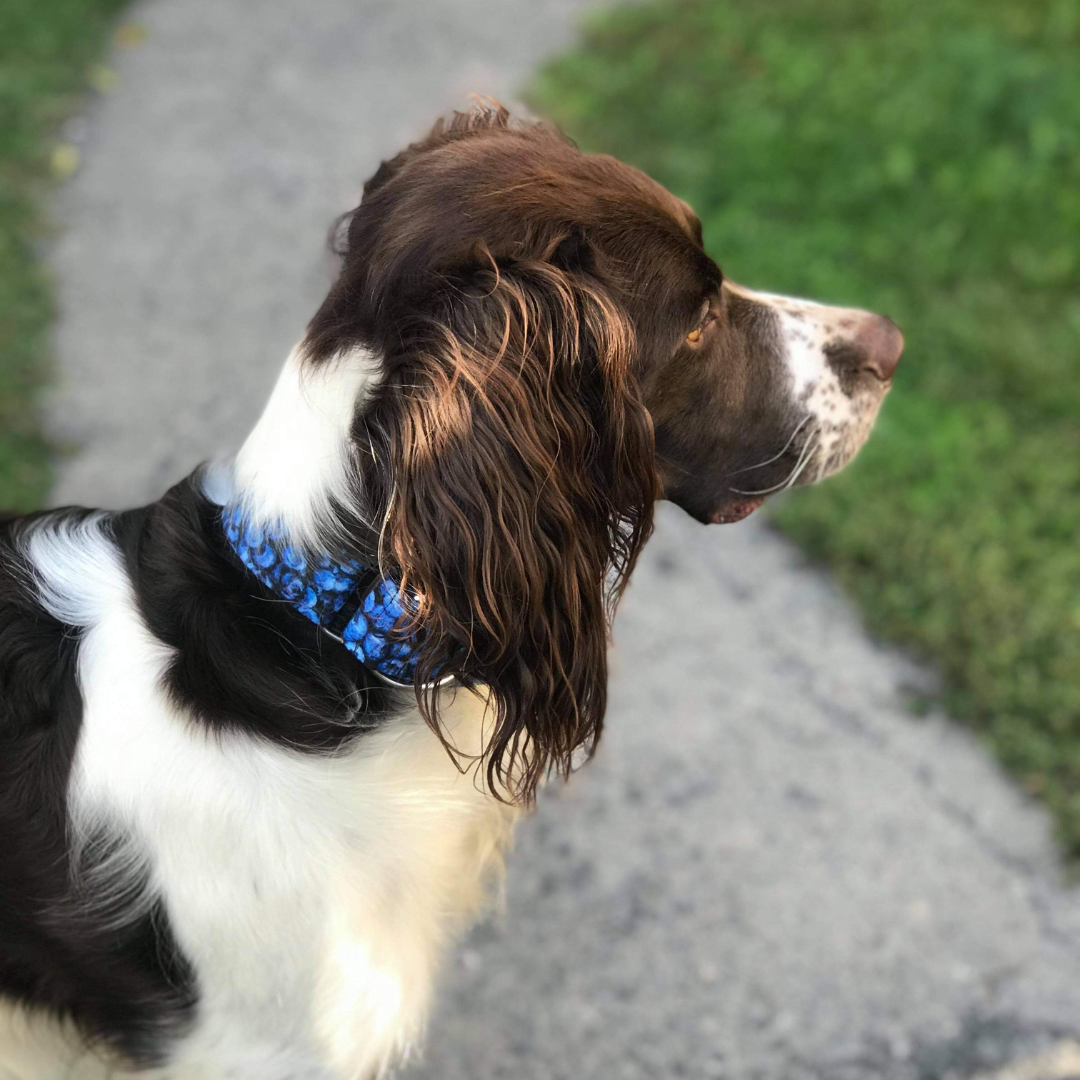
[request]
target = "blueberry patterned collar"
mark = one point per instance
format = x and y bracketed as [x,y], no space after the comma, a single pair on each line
[352,603]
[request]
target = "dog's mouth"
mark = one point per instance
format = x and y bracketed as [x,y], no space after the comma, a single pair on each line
[736,511]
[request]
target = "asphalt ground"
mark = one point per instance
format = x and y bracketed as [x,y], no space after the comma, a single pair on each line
[773,869]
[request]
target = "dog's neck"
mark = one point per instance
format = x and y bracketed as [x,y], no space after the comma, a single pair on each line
[283,504]
[353,603]
[293,473]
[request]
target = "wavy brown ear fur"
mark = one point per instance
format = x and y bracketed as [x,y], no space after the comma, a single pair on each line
[517,491]
[506,459]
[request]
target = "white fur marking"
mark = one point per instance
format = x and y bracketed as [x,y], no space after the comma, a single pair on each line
[841,422]
[296,460]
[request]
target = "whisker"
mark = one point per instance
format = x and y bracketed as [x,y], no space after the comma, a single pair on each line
[769,461]
[804,457]
[798,471]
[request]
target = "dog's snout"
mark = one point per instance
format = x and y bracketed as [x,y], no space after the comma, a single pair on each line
[881,344]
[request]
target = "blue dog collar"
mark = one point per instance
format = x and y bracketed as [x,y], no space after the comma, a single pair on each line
[352,603]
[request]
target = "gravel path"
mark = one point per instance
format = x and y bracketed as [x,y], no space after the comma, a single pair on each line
[772,869]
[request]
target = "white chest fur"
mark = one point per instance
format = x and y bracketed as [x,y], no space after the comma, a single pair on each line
[313,895]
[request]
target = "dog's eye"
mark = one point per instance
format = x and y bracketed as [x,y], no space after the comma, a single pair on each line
[707,316]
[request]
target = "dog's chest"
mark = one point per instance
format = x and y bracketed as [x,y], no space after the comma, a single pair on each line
[313,896]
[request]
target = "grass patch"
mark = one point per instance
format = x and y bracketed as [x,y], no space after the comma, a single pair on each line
[45,49]
[921,158]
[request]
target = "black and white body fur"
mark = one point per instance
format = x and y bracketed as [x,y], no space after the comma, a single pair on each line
[231,851]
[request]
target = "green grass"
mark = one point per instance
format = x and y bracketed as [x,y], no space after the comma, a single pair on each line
[45,49]
[920,158]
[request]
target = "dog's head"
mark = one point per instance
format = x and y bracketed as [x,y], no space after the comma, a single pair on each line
[555,351]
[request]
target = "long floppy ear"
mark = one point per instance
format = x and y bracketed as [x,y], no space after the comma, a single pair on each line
[512,461]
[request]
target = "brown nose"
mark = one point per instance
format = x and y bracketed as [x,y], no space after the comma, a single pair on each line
[881,343]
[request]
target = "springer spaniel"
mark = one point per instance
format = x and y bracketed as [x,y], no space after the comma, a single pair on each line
[265,740]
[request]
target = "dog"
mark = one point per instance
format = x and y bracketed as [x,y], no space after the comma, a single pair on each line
[265,741]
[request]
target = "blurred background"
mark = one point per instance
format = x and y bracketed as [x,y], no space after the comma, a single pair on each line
[831,828]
